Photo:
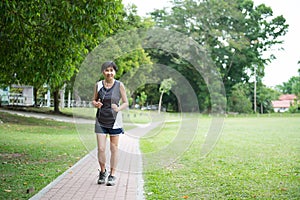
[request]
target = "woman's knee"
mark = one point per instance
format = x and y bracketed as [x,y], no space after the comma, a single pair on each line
[101,149]
[113,148]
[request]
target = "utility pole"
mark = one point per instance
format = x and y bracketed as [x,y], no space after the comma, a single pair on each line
[254,88]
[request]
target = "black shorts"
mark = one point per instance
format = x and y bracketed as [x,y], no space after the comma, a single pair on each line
[103,130]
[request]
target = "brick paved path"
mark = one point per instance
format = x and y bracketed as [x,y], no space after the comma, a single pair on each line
[80,181]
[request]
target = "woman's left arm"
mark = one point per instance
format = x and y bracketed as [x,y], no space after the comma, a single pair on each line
[124,99]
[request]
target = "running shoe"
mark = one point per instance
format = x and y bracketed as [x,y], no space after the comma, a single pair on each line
[111,180]
[102,177]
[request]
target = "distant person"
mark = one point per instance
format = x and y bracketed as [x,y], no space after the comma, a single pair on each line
[107,96]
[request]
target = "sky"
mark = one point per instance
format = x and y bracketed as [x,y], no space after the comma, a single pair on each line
[285,66]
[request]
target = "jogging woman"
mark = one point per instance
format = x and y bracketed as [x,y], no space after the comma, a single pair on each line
[107,96]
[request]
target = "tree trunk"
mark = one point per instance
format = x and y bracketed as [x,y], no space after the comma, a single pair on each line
[62,96]
[133,100]
[35,96]
[56,101]
[160,101]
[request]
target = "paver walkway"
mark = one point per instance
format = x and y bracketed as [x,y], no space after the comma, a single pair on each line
[80,181]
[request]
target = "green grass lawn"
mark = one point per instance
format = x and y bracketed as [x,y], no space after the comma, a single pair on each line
[255,158]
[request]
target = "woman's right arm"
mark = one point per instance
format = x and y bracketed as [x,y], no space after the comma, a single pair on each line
[96,101]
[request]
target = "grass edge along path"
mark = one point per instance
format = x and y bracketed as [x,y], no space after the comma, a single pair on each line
[34,152]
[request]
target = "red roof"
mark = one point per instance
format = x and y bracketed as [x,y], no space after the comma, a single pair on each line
[281,104]
[289,97]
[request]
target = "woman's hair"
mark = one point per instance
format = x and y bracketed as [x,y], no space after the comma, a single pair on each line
[109,64]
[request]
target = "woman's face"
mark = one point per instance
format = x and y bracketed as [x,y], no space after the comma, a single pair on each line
[109,73]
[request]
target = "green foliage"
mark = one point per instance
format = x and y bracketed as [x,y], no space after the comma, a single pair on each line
[166,85]
[235,34]
[242,94]
[239,100]
[264,97]
[45,41]
[292,86]
[125,48]
[295,108]
[142,98]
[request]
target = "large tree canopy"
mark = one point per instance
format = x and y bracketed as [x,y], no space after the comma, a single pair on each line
[42,43]
[125,48]
[234,32]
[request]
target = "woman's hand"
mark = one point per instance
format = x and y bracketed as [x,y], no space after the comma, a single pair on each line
[115,107]
[97,104]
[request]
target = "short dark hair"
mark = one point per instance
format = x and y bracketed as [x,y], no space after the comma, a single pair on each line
[109,64]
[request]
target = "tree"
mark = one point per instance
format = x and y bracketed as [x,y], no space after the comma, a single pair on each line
[50,38]
[142,99]
[235,34]
[239,100]
[264,98]
[292,86]
[124,47]
[165,87]
[129,56]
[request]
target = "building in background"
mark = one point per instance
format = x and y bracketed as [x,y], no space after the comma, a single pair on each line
[19,95]
[284,103]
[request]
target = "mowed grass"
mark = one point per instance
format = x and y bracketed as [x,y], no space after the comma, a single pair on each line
[255,158]
[34,152]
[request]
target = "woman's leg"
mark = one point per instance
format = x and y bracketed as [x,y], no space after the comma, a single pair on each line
[114,142]
[101,142]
